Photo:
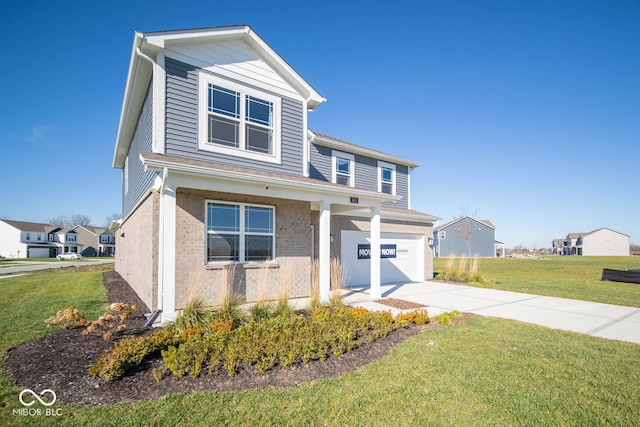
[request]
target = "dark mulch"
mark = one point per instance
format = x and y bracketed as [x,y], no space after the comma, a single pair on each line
[60,361]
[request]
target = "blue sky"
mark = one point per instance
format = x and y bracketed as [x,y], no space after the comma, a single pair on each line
[523,113]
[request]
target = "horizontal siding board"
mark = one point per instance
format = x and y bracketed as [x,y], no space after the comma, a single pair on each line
[366,170]
[182,124]
[139,180]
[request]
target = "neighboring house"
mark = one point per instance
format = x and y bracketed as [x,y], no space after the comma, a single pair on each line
[600,242]
[221,177]
[20,239]
[96,241]
[557,246]
[467,236]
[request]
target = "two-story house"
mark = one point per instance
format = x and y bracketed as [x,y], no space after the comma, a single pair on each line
[20,239]
[224,182]
[600,242]
[467,236]
[96,241]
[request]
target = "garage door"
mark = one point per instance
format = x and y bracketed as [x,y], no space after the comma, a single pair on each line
[38,253]
[402,258]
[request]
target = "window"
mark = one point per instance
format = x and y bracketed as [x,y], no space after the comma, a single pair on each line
[343,168]
[386,178]
[28,236]
[240,233]
[238,121]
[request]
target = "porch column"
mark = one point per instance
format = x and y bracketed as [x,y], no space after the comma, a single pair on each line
[324,251]
[375,291]
[167,252]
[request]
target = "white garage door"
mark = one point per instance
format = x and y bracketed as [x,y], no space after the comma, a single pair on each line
[402,258]
[38,253]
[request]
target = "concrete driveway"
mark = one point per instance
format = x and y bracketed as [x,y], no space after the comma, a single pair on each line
[591,318]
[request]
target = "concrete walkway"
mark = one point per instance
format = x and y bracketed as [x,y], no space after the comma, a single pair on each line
[591,318]
[29,266]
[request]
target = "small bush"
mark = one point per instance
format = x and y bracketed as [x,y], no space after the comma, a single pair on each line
[67,319]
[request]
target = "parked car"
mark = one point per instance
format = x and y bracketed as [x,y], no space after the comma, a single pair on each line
[69,255]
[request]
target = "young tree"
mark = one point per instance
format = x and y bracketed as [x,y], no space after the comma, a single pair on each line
[465,226]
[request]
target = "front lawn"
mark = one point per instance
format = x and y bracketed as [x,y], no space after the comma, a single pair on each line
[574,277]
[484,372]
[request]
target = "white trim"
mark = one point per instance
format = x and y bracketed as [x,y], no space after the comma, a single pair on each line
[159,104]
[375,291]
[352,166]
[324,251]
[204,79]
[391,166]
[167,250]
[248,183]
[125,177]
[241,233]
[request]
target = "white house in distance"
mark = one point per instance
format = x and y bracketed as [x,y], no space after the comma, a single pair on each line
[600,242]
[20,239]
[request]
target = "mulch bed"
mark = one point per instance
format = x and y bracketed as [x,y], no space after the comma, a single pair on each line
[60,361]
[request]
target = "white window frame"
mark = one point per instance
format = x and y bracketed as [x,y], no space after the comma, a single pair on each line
[442,235]
[391,166]
[352,166]
[204,80]
[242,233]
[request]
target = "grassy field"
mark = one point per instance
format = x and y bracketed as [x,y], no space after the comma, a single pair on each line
[560,276]
[485,372]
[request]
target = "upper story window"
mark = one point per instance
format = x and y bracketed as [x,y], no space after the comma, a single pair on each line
[28,236]
[240,232]
[343,165]
[238,121]
[387,178]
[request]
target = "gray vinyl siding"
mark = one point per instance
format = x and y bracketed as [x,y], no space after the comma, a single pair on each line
[482,240]
[139,180]
[366,173]
[320,163]
[182,125]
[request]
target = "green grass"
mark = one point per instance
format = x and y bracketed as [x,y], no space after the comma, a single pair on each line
[560,276]
[485,372]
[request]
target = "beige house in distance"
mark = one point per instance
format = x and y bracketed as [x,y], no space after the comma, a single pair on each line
[600,242]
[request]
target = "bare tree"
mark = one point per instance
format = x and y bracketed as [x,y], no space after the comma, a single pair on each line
[68,222]
[80,219]
[108,220]
[465,226]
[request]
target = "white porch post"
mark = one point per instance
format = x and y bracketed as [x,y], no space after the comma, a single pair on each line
[324,251]
[375,291]
[167,249]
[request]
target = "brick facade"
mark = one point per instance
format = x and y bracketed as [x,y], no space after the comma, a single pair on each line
[137,255]
[290,274]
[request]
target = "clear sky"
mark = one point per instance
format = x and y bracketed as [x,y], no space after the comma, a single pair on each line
[523,113]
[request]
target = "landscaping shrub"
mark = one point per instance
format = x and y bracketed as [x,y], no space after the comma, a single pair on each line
[271,336]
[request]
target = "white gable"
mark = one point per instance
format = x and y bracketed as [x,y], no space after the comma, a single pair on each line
[233,59]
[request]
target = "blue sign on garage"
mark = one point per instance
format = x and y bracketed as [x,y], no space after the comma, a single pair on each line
[386,251]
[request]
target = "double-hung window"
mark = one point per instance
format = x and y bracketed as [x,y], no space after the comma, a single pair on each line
[238,120]
[343,168]
[240,232]
[386,178]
